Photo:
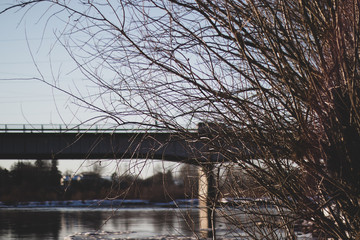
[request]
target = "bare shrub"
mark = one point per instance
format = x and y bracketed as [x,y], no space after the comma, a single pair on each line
[276,84]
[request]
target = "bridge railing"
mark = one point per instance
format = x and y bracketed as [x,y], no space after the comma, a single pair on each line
[50,128]
[74,128]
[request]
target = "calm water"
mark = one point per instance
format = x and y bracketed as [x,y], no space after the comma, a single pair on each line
[103,223]
[58,223]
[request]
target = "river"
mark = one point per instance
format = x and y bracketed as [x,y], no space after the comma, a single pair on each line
[85,223]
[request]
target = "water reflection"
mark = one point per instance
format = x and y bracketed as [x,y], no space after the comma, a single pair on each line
[54,224]
[58,223]
[29,225]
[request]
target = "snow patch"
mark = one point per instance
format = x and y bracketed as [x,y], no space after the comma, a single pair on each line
[104,235]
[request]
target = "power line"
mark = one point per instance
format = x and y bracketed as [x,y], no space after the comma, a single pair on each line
[25,39]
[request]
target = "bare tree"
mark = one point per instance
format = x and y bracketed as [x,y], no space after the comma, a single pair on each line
[275,84]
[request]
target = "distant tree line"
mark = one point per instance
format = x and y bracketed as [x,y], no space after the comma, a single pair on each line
[26,182]
[42,181]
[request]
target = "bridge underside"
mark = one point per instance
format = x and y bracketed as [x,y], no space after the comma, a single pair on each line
[162,146]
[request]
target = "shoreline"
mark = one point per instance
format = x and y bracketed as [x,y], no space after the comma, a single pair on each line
[98,203]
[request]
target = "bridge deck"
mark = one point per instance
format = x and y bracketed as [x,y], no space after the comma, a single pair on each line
[44,142]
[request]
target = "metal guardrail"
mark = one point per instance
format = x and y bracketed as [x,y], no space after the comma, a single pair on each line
[75,128]
[60,128]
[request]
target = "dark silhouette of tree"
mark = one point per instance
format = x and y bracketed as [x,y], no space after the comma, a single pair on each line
[275,84]
[5,181]
[54,165]
[29,182]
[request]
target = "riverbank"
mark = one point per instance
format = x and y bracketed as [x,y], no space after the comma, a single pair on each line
[96,203]
[103,235]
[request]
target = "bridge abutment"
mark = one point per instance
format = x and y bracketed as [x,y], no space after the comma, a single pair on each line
[207,201]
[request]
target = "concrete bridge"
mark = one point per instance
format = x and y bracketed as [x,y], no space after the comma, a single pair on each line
[79,142]
[92,143]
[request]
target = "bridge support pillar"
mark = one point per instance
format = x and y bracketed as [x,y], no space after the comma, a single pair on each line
[207,201]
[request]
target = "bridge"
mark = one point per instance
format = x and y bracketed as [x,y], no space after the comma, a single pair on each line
[73,142]
[92,142]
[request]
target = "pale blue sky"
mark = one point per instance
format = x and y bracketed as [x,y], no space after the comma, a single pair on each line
[26,101]
[28,49]
[25,39]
